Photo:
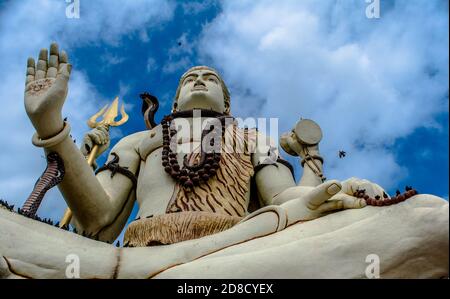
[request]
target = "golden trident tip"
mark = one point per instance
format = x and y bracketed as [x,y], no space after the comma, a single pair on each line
[109,114]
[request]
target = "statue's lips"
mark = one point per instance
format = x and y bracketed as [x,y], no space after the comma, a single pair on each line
[199,88]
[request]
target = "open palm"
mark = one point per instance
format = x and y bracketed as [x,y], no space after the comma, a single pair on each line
[46,90]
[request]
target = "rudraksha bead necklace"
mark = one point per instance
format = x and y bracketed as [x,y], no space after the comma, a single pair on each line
[192,175]
[386,201]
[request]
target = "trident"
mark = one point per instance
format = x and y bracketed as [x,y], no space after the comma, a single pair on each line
[109,113]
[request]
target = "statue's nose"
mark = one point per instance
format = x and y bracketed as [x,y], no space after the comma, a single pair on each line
[199,81]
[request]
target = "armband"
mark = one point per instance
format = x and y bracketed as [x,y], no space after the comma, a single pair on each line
[114,167]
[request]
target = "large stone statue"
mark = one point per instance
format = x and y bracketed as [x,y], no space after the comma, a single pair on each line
[228,207]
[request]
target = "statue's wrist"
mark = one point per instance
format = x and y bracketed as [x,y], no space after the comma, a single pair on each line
[47,125]
[315,157]
[53,140]
[309,151]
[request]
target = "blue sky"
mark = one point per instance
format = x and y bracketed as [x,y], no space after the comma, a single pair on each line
[377,87]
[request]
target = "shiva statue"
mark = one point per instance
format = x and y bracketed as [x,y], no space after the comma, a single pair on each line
[215,200]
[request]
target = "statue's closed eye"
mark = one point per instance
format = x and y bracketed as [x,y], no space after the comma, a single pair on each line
[188,81]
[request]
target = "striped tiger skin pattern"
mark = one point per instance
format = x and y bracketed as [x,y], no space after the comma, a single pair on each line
[176,227]
[227,192]
[52,176]
[211,207]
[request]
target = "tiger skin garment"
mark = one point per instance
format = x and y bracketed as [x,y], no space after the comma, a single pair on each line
[212,206]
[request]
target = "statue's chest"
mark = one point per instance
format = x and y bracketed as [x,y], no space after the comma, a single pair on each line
[154,141]
[150,143]
[227,175]
[225,192]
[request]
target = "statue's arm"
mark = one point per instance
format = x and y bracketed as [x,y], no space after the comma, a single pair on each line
[95,202]
[276,187]
[101,202]
[272,177]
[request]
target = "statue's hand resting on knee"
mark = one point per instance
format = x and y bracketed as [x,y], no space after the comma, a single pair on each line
[307,203]
[311,198]
[46,90]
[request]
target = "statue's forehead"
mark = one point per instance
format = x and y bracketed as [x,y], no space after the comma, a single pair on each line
[200,72]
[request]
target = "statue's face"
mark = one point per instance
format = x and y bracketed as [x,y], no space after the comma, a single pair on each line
[201,89]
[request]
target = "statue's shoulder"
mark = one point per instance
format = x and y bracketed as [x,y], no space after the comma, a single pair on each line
[132,141]
[144,142]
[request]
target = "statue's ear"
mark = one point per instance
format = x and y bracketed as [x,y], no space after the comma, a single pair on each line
[227,107]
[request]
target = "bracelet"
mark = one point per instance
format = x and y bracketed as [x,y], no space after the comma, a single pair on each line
[52,141]
[311,157]
[316,168]
[281,161]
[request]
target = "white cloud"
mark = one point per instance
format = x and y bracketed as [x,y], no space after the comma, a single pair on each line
[151,65]
[173,66]
[196,7]
[143,36]
[25,27]
[180,54]
[111,59]
[367,82]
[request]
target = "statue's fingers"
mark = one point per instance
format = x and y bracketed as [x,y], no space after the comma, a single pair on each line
[99,137]
[104,131]
[351,185]
[87,145]
[85,149]
[322,193]
[64,71]
[31,70]
[41,69]
[103,136]
[64,68]
[329,206]
[53,62]
[95,137]
[348,201]
[379,190]
[293,144]
[370,189]
[285,144]
[63,57]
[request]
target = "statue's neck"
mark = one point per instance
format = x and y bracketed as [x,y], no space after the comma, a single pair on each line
[194,113]
[196,118]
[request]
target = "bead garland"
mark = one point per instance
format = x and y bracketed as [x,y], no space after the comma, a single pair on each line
[386,201]
[191,175]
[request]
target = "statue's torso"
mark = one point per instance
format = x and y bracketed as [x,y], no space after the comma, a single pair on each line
[158,193]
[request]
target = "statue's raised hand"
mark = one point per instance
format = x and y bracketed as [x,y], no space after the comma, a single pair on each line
[46,90]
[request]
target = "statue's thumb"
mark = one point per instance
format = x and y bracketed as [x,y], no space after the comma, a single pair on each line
[322,193]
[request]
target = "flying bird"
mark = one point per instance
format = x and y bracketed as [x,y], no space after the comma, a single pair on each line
[342,154]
